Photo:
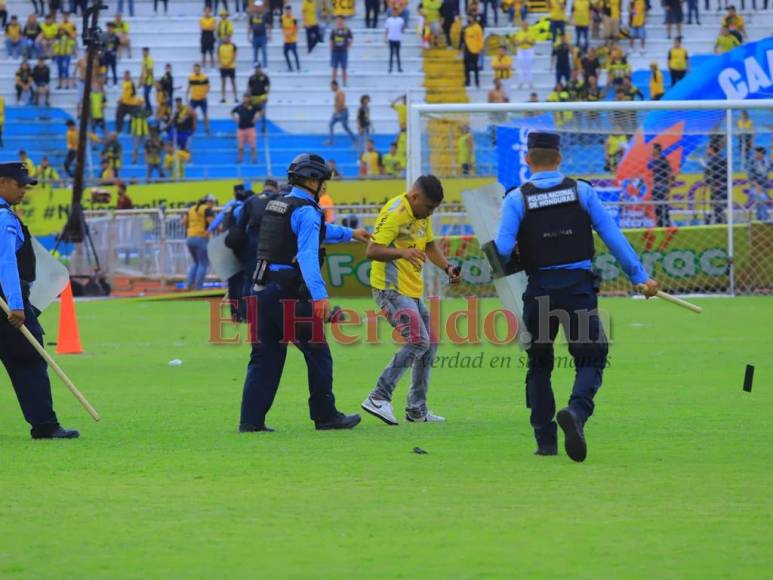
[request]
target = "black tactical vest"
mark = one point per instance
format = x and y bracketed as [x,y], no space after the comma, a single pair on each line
[25,256]
[277,243]
[555,228]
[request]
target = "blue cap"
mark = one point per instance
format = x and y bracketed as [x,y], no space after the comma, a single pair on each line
[18,171]
[542,140]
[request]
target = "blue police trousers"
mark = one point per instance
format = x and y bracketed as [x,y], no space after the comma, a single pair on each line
[267,359]
[28,372]
[567,298]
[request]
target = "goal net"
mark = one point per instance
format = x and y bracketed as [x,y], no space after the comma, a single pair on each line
[688,182]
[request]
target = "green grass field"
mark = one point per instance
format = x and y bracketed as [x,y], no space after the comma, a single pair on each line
[677,481]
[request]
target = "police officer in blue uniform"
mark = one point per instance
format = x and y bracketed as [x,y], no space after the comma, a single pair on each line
[26,369]
[548,222]
[290,255]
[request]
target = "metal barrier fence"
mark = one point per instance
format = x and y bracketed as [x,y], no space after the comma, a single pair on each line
[151,243]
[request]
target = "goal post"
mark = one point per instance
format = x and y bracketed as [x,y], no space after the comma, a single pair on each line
[683,179]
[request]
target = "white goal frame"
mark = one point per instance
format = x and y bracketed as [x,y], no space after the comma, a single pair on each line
[417,111]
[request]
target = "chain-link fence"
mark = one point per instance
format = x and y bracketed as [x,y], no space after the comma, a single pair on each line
[689,183]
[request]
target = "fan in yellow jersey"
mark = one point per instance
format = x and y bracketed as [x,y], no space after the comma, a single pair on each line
[638,17]
[311,24]
[656,82]
[557,16]
[370,162]
[290,33]
[226,56]
[198,89]
[581,18]
[48,31]
[63,51]
[402,241]
[224,27]
[524,41]
[465,152]
[122,31]
[391,162]
[147,79]
[678,61]
[175,160]
[207,25]
[502,64]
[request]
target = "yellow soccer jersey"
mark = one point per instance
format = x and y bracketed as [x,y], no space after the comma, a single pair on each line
[397,227]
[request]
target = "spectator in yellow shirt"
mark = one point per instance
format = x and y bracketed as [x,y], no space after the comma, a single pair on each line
[311,24]
[465,152]
[290,33]
[725,41]
[581,19]
[524,45]
[48,31]
[391,162]
[472,44]
[734,23]
[502,64]
[122,31]
[327,205]
[175,161]
[370,162]
[207,25]
[638,17]
[13,42]
[656,82]
[198,89]
[226,54]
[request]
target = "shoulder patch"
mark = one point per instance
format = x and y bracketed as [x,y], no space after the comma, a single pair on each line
[397,204]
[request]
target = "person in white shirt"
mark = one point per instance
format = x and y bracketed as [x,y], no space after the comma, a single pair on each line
[395,25]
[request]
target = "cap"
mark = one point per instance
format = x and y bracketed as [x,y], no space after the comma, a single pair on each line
[540,140]
[210,197]
[18,171]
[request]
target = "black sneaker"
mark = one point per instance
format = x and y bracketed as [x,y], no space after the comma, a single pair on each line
[574,437]
[58,433]
[246,428]
[339,421]
[547,450]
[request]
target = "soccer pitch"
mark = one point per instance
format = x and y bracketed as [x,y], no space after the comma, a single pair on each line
[677,481]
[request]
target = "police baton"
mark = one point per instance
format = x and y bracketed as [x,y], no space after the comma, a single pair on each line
[52,363]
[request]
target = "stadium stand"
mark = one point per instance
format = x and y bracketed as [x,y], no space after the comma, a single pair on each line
[300,103]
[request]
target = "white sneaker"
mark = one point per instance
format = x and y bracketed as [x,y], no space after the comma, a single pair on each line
[430,417]
[380,409]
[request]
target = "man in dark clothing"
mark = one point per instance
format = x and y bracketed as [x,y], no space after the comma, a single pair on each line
[562,55]
[259,86]
[244,115]
[715,178]
[449,10]
[662,182]
[41,76]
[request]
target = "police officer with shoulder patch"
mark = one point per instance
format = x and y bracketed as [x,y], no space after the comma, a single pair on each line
[27,370]
[549,223]
[288,272]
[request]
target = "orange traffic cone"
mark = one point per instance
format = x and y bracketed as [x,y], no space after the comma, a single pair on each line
[69,341]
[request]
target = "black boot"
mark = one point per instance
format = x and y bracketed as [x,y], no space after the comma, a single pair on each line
[574,437]
[58,433]
[338,421]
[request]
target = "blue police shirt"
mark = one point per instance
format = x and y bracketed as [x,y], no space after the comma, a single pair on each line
[513,212]
[223,212]
[11,239]
[305,223]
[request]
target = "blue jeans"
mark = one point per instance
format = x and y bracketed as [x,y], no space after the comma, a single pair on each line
[30,48]
[343,118]
[13,49]
[260,43]
[267,358]
[411,318]
[557,29]
[131,7]
[62,67]
[197,246]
